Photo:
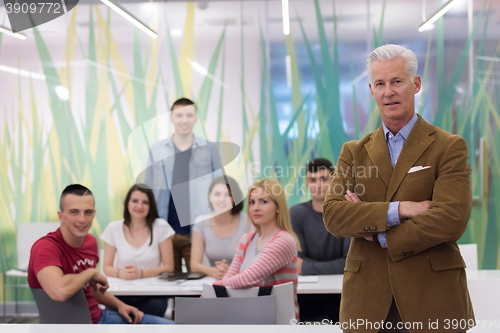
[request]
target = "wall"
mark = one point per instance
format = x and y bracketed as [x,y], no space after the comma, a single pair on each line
[118,78]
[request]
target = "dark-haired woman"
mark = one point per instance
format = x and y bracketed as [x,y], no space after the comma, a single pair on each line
[216,235]
[139,246]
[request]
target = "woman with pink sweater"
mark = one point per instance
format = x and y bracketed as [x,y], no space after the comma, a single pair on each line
[266,256]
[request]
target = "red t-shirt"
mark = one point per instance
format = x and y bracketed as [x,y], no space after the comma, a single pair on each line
[52,250]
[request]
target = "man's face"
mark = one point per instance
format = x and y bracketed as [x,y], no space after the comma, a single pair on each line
[76,217]
[317,183]
[184,118]
[394,90]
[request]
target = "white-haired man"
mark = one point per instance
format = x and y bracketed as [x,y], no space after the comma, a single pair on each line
[403,194]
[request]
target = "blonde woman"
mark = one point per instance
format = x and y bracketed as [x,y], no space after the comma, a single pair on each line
[217,235]
[268,255]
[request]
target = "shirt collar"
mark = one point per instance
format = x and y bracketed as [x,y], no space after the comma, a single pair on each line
[405,131]
[197,141]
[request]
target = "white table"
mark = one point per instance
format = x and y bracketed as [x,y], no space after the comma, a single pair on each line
[36,328]
[484,289]
[327,284]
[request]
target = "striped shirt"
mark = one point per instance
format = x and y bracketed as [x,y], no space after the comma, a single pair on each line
[275,264]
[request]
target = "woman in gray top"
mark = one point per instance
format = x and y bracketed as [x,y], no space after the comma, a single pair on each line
[217,235]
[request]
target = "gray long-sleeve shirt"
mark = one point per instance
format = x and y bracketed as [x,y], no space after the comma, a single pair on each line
[322,252]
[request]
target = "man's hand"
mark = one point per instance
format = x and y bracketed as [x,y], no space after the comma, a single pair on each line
[99,283]
[130,273]
[126,311]
[409,209]
[299,265]
[352,197]
[221,268]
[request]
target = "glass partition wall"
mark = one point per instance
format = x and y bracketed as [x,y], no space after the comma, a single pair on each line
[77,87]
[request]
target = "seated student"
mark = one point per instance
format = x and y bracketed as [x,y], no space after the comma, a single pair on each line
[267,255]
[321,252]
[217,234]
[139,246]
[65,260]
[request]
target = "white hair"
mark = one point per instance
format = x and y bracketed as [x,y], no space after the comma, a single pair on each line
[390,52]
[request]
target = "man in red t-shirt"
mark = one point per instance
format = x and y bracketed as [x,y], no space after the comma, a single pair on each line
[64,261]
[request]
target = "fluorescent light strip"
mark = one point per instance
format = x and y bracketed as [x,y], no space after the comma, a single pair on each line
[286,17]
[199,68]
[130,18]
[488,58]
[360,77]
[119,73]
[13,34]
[21,72]
[427,24]
[288,63]
[203,71]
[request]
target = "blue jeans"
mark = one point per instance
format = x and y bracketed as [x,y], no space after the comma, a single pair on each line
[151,305]
[112,317]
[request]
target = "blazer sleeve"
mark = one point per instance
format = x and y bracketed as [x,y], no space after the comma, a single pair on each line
[351,219]
[449,211]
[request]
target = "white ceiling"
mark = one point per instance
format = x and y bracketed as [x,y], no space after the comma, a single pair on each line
[401,18]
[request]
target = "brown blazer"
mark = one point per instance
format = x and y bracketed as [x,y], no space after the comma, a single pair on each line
[422,268]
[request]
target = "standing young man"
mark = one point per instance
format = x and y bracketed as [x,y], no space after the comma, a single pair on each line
[64,261]
[183,168]
[403,193]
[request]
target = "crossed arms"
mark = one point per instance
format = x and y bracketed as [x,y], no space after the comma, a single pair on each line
[445,218]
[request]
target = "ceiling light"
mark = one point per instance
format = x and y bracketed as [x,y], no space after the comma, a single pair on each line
[150,7]
[13,34]
[488,58]
[288,64]
[427,24]
[360,77]
[286,17]
[176,32]
[203,71]
[21,72]
[130,18]
[196,66]
[428,27]
[62,92]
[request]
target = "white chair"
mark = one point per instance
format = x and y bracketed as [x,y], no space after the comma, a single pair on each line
[27,235]
[226,310]
[285,302]
[469,253]
[101,261]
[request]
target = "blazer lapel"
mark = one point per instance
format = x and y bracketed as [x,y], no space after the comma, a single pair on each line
[417,143]
[378,152]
